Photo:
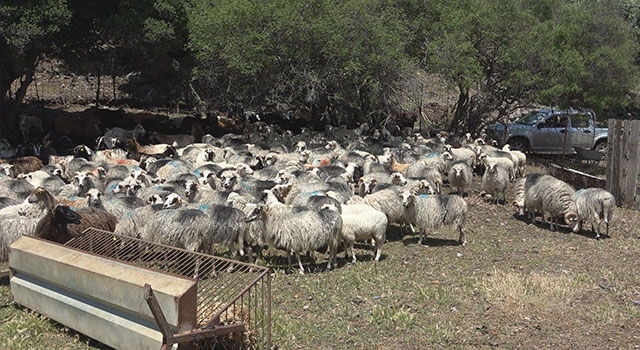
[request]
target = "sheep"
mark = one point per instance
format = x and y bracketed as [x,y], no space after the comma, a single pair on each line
[112,136]
[553,197]
[17,189]
[460,176]
[520,156]
[521,200]
[386,201]
[167,167]
[462,154]
[12,228]
[195,193]
[394,166]
[254,236]
[494,181]
[136,150]
[594,205]
[54,226]
[503,162]
[317,201]
[90,216]
[180,140]
[85,181]
[304,231]
[361,222]
[7,201]
[231,225]
[133,221]
[24,165]
[430,212]
[182,228]
[557,200]
[115,205]
[29,124]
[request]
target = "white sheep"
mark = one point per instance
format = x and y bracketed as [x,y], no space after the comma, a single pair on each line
[503,162]
[462,154]
[495,180]
[305,231]
[430,212]
[361,222]
[460,176]
[594,205]
[520,156]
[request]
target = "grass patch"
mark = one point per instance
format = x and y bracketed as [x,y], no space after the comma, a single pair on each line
[529,290]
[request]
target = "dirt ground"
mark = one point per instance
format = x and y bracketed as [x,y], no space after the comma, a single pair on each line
[515,285]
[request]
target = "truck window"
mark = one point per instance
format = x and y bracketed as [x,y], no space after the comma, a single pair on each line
[580,120]
[555,121]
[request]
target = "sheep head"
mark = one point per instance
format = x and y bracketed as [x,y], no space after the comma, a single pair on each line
[93,197]
[172,201]
[571,219]
[398,179]
[190,188]
[63,215]
[257,212]
[408,198]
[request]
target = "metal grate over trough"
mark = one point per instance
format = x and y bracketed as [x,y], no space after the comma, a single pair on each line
[233,298]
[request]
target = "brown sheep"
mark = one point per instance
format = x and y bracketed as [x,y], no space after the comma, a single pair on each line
[54,226]
[152,150]
[179,140]
[90,216]
[24,165]
[79,127]
[394,166]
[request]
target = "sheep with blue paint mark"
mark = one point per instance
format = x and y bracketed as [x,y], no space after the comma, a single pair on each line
[431,212]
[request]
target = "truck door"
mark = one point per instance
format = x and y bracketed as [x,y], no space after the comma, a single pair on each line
[551,134]
[581,130]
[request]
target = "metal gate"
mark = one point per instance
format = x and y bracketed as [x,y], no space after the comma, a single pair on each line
[233,298]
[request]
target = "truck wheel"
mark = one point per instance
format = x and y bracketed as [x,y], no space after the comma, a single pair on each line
[519,144]
[601,146]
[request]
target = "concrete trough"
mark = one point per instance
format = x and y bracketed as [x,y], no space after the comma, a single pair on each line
[99,297]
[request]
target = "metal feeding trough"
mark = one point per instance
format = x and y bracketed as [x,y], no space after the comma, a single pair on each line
[133,294]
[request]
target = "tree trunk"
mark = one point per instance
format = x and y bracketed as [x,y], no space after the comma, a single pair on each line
[10,107]
[461,110]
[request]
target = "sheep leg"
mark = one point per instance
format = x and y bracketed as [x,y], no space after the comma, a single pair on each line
[332,257]
[595,229]
[250,254]
[299,263]
[241,244]
[378,249]
[462,239]
[353,252]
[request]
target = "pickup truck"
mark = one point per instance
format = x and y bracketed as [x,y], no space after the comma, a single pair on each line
[552,131]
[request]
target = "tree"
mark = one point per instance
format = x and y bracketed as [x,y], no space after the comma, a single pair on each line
[505,54]
[335,57]
[147,37]
[27,29]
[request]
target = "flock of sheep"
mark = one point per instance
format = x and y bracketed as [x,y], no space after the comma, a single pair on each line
[298,193]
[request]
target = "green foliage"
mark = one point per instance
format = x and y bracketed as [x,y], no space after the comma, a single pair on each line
[343,53]
[29,25]
[344,60]
[505,54]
